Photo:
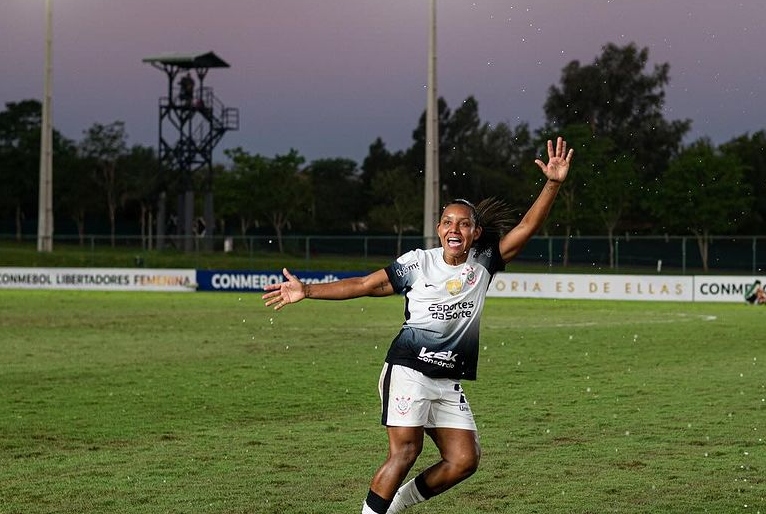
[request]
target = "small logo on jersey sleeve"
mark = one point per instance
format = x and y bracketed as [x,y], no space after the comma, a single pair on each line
[404,269]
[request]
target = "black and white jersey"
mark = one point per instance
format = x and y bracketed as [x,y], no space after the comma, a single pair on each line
[443,305]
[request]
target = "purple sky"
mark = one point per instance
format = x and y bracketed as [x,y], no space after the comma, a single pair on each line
[327,77]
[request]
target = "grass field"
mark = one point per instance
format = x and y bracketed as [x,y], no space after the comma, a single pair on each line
[211,403]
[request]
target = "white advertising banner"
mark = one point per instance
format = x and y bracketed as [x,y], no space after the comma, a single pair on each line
[679,288]
[99,279]
[593,287]
[722,288]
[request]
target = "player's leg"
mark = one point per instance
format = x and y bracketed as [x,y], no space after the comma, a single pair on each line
[405,410]
[453,430]
[404,446]
[460,454]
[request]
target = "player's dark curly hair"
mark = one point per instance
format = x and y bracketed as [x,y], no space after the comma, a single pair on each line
[494,216]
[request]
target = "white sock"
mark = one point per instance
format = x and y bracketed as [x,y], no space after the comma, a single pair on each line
[407,496]
[366,509]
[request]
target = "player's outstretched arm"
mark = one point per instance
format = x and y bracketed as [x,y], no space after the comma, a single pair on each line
[556,171]
[293,290]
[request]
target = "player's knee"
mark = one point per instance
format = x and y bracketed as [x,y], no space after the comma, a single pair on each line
[466,464]
[470,464]
[405,455]
[410,454]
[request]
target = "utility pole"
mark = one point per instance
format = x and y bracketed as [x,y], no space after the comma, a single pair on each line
[431,197]
[45,202]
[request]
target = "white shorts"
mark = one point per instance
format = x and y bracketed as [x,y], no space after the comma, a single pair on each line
[411,399]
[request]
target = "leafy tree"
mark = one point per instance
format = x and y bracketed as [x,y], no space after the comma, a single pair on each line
[379,159]
[415,157]
[703,192]
[338,203]
[104,146]
[459,172]
[502,164]
[618,99]
[234,190]
[477,160]
[281,192]
[141,170]
[20,159]
[398,202]
[606,182]
[73,188]
[750,150]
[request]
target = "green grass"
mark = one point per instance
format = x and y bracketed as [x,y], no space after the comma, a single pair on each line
[153,402]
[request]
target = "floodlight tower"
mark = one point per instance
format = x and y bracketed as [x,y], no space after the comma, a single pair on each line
[192,122]
[45,188]
[431,197]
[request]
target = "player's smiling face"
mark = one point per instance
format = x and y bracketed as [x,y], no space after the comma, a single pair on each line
[457,231]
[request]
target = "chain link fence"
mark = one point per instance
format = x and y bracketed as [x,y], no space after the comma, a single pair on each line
[624,254]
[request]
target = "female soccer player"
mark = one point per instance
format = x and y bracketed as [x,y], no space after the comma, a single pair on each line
[438,343]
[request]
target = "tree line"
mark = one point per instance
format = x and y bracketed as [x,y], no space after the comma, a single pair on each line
[632,172]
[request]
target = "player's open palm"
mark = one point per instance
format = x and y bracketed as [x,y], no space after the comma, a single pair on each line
[558,161]
[290,291]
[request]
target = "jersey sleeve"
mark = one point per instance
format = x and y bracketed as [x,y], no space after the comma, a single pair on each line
[403,271]
[497,264]
[490,258]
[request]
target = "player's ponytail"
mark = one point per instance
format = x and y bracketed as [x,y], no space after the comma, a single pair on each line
[496,218]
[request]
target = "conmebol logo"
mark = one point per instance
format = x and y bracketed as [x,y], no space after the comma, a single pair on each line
[244,280]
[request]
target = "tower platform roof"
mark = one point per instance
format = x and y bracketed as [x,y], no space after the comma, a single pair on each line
[188,61]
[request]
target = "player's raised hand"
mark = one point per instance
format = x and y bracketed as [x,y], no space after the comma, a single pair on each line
[558,161]
[281,294]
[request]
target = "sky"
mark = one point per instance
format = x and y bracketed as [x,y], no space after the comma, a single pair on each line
[328,77]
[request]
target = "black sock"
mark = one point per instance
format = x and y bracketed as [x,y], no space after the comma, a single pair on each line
[425,491]
[377,503]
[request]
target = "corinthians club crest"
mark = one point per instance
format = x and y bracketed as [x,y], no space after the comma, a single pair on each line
[469,275]
[403,404]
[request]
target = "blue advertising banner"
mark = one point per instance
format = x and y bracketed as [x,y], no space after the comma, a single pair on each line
[248,280]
